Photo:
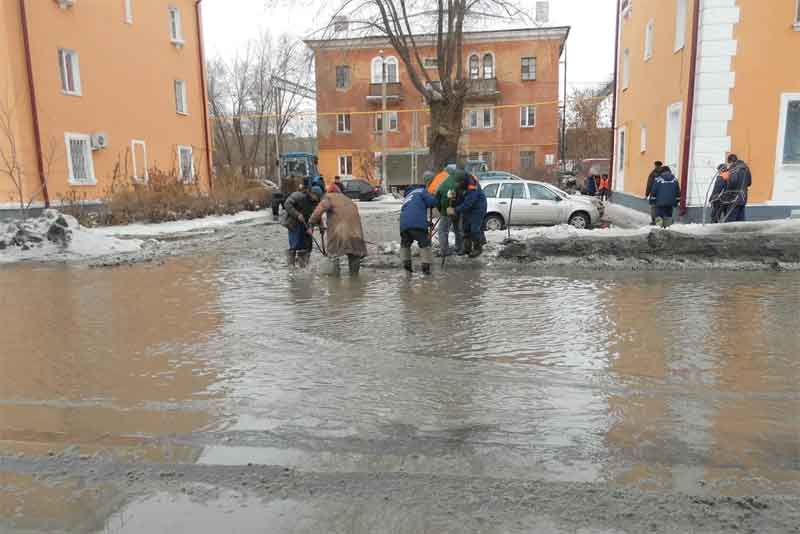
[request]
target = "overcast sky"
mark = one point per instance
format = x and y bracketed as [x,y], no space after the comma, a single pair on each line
[230,23]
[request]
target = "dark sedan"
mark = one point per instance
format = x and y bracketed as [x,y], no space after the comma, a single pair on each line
[361,190]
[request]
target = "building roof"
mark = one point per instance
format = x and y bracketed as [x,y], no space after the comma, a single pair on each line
[524,34]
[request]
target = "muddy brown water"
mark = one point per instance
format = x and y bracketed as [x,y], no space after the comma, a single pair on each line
[668,382]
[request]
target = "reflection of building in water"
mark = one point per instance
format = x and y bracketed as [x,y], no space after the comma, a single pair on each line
[694,368]
[110,363]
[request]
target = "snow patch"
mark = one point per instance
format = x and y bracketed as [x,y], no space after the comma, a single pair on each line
[178,227]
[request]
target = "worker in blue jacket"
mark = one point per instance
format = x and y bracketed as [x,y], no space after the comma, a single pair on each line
[472,210]
[414,227]
[667,193]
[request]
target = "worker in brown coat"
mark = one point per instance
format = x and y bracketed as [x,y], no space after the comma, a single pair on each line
[344,235]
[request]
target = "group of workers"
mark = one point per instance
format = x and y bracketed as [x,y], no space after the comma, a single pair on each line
[598,185]
[728,197]
[456,195]
[461,205]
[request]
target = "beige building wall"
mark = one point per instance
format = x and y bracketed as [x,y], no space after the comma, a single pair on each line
[128,67]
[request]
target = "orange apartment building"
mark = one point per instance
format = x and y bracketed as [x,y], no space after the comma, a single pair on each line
[511,116]
[98,85]
[744,98]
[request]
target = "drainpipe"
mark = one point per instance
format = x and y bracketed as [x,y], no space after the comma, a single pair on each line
[37,134]
[687,141]
[204,89]
[612,168]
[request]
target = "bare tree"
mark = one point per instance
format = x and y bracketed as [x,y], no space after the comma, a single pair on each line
[12,165]
[588,123]
[291,78]
[412,26]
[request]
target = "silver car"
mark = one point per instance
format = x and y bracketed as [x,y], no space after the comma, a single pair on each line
[535,204]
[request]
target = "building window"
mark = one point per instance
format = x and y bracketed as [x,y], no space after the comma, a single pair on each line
[626,68]
[474,67]
[797,17]
[128,11]
[70,72]
[527,116]
[648,40]
[430,63]
[342,77]
[79,159]
[527,159]
[345,165]
[791,144]
[389,65]
[180,97]
[480,118]
[643,139]
[529,68]
[488,66]
[627,7]
[186,160]
[621,152]
[343,123]
[681,16]
[392,118]
[175,30]
[139,158]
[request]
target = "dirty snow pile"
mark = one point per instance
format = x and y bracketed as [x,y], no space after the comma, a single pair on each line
[54,236]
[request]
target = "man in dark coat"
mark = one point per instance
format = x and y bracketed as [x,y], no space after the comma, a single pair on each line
[648,192]
[717,192]
[472,210]
[591,185]
[738,185]
[414,227]
[299,208]
[667,193]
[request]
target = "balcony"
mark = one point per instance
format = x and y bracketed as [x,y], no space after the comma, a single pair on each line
[394,92]
[483,89]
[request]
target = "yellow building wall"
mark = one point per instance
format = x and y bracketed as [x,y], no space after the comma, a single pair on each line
[15,100]
[767,64]
[127,74]
[654,85]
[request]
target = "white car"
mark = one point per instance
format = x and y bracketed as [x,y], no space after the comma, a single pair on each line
[535,204]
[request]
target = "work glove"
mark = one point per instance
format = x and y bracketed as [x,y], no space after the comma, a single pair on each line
[451,212]
[301,218]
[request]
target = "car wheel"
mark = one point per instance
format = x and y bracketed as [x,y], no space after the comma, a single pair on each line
[494,223]
[579,220]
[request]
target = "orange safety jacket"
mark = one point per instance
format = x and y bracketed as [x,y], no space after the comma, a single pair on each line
[604,183]
[437,181]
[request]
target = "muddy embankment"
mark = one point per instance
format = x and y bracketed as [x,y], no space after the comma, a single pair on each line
[740,246]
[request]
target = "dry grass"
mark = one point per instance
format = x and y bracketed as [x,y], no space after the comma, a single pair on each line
[165,198]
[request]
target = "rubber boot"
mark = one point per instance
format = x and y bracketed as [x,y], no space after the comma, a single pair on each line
[667,222]
[291,258]
[427,260]
[354,264]
[302,259]
[405,257]
[477,249]
[467,246]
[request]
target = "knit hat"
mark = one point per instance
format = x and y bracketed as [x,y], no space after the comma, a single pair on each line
[316,190]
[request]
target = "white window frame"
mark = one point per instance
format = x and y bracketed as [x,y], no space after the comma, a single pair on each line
[377,69]
[649,38]
[681,19]
[430,63]
[181,177]
[348,81]
[392,116]
[344,158]
[627,8]
[535,68]
[491,118]
[797,17]
[343,123]
[525,115]
[626,69]
[669,135]
[87,139]
[477,74]
[621,154]
[483,68]
[145,176]
[176,30]
[70,58]
[181,97]
[128,5]
[643,139]
[786,99]
[532,159]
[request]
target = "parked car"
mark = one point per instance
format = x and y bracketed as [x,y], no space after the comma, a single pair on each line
[361,190]
[496,175]
[535,204]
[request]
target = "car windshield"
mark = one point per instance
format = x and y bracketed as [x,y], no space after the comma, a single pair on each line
[559,192]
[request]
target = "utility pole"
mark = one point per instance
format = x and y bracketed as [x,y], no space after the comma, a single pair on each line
[384,126]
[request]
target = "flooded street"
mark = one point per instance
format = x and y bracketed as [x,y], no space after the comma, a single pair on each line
[217,392]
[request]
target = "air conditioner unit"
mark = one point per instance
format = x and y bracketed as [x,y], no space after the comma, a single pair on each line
[64,4]
[99,141]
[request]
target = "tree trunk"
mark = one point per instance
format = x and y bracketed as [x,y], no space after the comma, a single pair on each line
[446,123]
